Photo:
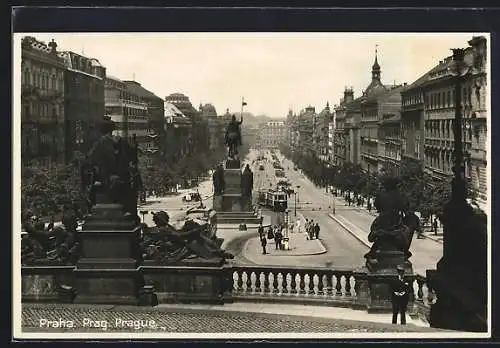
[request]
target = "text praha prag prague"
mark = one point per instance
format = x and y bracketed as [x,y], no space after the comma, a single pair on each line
[89,323]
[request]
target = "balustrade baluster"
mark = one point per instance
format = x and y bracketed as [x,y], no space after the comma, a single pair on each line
[347,285]
[293,283]
[420,293]
[321,284]
[310,284]
[239,282]
[284,284]
[302,287]
[328,284]
[249,282]
[356,286]
[266,282]
[258,290]
[338,284]
[276,290]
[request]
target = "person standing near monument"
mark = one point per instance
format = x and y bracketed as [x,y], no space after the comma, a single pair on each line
[263,243]
[400,296]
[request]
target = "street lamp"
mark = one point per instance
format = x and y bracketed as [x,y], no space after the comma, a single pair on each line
[286,240]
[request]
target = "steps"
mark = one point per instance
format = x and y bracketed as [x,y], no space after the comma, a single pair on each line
[236,217]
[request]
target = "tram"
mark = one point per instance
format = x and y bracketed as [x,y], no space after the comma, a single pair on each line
[276,200]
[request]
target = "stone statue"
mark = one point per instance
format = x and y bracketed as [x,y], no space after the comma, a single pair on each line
[218,180]
[170,245]
[233,136]
[247,182]
[110,174]
[393,229]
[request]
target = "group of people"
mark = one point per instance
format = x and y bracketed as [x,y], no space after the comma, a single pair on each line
[312,229]
[276,233]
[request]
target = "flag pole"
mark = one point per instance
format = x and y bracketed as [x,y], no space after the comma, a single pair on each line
[242,104]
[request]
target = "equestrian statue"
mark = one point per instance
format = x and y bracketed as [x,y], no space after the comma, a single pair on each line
[233,136]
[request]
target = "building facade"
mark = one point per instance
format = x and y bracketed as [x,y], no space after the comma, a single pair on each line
[42,103]
[272,134]
[84,101]
[429,110]
[306,122]
[378,101]
[178,129]
[321,132]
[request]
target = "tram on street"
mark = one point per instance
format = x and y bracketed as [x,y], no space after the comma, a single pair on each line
[276,200]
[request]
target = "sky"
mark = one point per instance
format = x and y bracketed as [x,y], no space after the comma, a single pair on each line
[274,72]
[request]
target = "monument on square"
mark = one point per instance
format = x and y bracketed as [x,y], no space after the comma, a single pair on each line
[232,188]
[391,234]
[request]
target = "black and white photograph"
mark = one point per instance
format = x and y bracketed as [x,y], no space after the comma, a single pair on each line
[251,185]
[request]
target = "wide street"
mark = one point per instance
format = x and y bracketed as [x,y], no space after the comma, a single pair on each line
[344,249]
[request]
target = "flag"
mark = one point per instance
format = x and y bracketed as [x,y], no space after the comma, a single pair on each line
[243,103]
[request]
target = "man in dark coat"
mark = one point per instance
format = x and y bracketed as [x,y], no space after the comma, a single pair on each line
[400,291]
[316,230]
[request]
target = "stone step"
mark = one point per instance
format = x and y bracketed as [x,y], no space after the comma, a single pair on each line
[238,220]
[235,215]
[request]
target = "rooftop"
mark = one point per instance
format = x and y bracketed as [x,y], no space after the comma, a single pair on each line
[135,87]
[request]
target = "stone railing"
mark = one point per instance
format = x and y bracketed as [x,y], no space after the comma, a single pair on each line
[296,284]
[322,286]
[235,283]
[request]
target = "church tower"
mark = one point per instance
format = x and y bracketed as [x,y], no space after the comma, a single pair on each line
[376,69]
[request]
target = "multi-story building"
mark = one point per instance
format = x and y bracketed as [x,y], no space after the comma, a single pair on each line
[127,110]
[390,142]
[84,101]
[378,100]
[291,135]
[429,112]
[152,136]
[215,126]
[178,129]
[306,131]
[272,134]
[321,129]
[331,135]
[346,137]
[42,103]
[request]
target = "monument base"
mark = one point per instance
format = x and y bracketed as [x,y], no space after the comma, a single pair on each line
[379,276]
[233,164]
[107,271]
[189,281]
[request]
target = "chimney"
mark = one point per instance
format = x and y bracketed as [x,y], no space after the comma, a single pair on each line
[348,95]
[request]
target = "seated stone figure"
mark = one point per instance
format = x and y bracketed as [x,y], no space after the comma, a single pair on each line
[167,244]
[392,230]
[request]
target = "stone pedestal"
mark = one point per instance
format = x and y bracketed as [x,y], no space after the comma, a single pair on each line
[188,281]
[107,271]
[232,179]
[379,277]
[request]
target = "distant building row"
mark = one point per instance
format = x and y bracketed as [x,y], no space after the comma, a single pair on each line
[388,124]
[65,96]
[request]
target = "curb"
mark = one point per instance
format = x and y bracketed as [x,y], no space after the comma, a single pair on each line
[361,239]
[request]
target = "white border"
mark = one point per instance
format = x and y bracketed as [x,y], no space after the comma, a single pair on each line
[16,187]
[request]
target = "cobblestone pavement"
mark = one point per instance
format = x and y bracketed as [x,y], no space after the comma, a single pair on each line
[42,318]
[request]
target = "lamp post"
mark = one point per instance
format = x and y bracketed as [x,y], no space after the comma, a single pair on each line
[286,239]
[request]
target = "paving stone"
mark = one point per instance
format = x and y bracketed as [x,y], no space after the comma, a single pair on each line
[191,321]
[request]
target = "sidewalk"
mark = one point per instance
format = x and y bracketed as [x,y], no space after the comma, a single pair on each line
[299,246]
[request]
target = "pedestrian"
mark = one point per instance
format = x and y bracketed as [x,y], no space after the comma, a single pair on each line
[263,243]
[435,226]
[311,230]
[270,234]
[400,296]
[261,231]
[277,239]
[369,205]
[316,230]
